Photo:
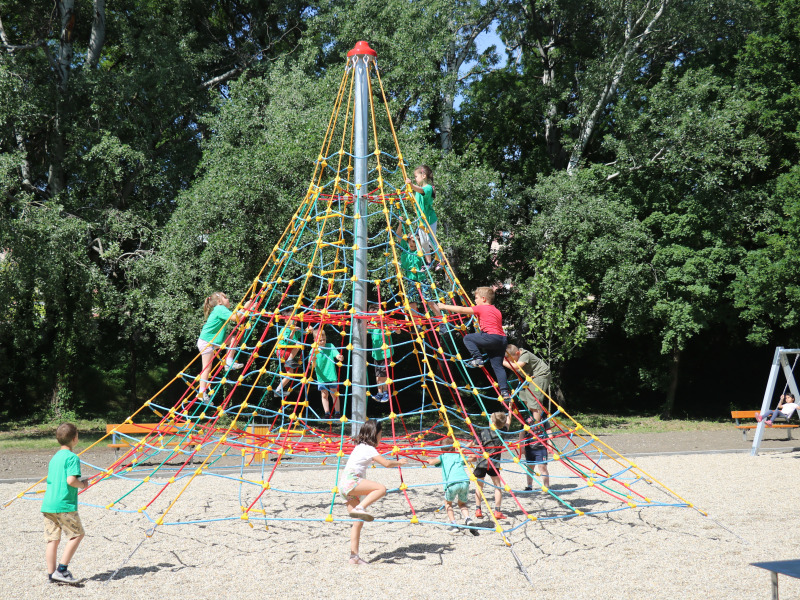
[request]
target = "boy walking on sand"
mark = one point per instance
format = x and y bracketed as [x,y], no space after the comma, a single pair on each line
[60,504]
[491,338]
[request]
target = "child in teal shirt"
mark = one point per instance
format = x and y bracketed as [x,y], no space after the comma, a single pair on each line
[456,487]
[60,504]
[325,359]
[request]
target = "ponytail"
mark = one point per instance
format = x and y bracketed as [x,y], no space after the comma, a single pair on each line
[212,301]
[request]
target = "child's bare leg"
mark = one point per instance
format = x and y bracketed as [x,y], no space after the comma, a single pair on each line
[462,506]
[451,516]
[355,537]
[69,549]
[370,490]
[336,401]
[478,491]
[434,308]
[545,475]
[207,358]
[528,478]
[498,494]
[326,405]
[382,385]
[51,554]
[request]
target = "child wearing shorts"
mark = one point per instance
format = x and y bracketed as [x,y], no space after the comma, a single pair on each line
[456,488]
[535,449]
[325,358]
[60,505]
[493,446]
[358,491]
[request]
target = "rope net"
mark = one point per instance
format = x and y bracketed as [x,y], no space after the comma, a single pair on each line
[251,423]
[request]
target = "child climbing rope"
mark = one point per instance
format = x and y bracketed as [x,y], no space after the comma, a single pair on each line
[288,347]
[357,491]
[491,339]
[414,270]
[379,337]
[424,194]
[325,357]
[217,311]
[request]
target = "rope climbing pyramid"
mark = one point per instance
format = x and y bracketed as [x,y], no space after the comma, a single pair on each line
[342,324]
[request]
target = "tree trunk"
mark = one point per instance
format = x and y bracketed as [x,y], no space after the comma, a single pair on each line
[669,402]
[98,36]
[55,177]
[630,47]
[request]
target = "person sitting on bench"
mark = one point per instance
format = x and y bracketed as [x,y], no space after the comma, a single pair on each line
[786,407]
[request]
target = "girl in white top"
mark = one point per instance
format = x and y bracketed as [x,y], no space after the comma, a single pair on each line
[360,492]
[786,407]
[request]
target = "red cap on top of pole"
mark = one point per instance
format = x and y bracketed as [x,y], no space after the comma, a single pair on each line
[362,48]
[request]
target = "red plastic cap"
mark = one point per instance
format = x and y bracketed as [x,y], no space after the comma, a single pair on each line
[362,48]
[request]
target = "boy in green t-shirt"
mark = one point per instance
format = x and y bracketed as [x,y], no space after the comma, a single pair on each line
[288,347]
[325,359]
[379,337]
[60,504]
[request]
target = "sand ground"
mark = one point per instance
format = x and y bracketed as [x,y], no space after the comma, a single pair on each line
[651,552]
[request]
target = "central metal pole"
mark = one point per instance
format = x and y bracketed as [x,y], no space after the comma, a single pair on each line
[361,58]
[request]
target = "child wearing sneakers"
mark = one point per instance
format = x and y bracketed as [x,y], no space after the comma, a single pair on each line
[60,504]
[493,446]
[325,358]
[379,337]
[217,311]
[353,486]
[491,338]
[456,487]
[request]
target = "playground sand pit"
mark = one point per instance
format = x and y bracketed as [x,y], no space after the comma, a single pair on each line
[654,552]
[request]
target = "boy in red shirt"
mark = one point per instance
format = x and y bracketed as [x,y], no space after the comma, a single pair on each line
[491,338]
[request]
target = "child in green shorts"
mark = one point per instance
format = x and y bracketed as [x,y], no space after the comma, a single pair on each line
[456,488]
[60,504]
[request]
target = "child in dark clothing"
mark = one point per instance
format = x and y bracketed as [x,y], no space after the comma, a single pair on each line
[491,339]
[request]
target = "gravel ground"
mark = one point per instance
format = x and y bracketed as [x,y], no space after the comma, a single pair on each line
[654,552]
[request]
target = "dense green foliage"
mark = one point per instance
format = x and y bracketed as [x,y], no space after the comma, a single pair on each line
[638,160]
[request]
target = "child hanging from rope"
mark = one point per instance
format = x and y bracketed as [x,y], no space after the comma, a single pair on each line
[424,194]
[493,446]
[357,491]
[491,338]
[414,271]
[289,336]
[379,337]
[217,311]
[456,487]
[325,357]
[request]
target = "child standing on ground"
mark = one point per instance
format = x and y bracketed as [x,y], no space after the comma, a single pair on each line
[491,338]
[456,488]
[382,357]
[60,504]
[493,446]
[217,311]
[325,358]
[289,336]
[357,491]
[535,450]
[424,193]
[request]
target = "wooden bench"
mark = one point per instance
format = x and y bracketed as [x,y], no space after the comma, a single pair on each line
[751,414]
[144,429]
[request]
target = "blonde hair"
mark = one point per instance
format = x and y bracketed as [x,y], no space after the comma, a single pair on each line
[486,293]
[212,301]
